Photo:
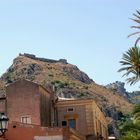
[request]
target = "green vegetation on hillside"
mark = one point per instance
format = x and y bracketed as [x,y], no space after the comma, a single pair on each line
[131,126]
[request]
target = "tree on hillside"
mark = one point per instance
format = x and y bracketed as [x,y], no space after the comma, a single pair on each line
[137,20]
[131,65]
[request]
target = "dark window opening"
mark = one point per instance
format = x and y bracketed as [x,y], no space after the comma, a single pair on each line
[64,123]
[70,109]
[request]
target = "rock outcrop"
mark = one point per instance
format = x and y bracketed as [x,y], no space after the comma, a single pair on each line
[119,88]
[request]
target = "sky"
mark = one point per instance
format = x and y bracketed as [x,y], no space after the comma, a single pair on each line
[91,34]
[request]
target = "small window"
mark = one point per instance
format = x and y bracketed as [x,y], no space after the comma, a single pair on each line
[64,123]
[70,109]
[26,119]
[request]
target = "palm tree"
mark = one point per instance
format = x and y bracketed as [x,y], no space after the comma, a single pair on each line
[137,20]
[131,65]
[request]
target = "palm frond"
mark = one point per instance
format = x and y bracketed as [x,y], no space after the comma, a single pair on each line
[125,69]
[137,40]
[138,12]
[133,34]
[136,15]
[137,20]
[133,80]
[131,65]
[136,27]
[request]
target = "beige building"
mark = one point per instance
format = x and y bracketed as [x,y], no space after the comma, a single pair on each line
[84,116]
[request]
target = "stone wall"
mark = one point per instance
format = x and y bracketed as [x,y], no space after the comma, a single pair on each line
[44,59]
[19,131]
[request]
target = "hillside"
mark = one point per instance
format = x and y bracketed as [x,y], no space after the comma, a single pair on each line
[67,81]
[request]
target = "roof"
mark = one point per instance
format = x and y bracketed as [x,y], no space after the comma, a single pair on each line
[74,99]
[66,102]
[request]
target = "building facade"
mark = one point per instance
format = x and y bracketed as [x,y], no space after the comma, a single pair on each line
[84,116]
[28,102]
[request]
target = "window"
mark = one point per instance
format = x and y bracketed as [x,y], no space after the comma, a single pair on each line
[72,123]
[64,123]
[26,119]
[70,109]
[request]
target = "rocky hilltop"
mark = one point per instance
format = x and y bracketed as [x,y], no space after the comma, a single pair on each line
[67,81]
[119,87]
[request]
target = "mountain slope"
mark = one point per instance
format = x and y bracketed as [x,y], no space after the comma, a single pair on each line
[63,76]
[67,81]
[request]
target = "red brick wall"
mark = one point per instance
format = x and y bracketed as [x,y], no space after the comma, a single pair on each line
[23,99]
[18,131]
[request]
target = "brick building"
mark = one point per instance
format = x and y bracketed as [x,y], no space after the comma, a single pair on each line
[28,102]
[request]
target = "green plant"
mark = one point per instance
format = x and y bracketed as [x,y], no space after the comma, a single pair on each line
[60,84]
[130,128]
[131,65]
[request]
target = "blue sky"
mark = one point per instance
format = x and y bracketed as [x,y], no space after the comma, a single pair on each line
[91,34]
